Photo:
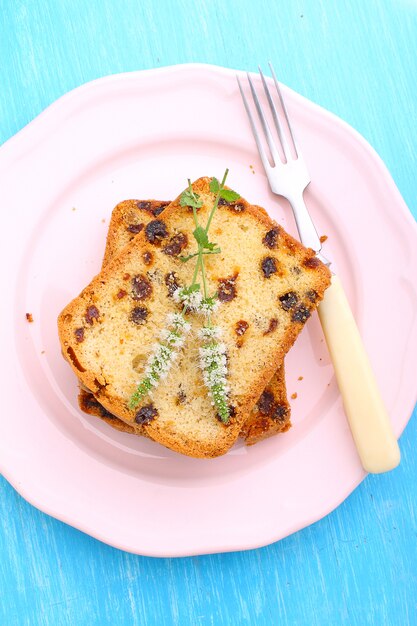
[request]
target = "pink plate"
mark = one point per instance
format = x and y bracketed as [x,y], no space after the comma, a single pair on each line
[141,135]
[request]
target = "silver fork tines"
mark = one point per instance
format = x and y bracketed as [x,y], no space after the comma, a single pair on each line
[288,178]
[284,108]
[278,126]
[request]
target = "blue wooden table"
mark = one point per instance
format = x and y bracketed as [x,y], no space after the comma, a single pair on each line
[358,566]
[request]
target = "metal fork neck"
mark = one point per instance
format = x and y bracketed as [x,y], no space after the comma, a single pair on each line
[306,229]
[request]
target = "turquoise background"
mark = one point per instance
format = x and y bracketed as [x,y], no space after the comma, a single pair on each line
[358,566]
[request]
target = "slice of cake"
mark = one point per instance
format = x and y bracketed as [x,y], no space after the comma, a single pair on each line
[266,282]
[271,414]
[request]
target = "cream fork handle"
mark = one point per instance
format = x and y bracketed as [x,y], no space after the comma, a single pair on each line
[368,418]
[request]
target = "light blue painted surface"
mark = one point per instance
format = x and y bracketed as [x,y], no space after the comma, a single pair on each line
[358,566]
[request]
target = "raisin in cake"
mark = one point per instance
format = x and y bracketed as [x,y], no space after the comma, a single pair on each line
[263,277]
[271,414]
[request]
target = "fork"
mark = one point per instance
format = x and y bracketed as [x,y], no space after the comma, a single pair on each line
[367,416]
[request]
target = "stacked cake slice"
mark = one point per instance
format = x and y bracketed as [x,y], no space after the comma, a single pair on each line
[267,285]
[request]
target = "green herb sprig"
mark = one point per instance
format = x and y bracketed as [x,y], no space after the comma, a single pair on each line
[213,361]
[205,246]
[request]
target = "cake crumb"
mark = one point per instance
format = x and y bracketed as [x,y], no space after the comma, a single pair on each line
[43,352]
[300,377]
[251,167]
[73,208]
[323,238]
[294,396]
[103,220]
[29,317]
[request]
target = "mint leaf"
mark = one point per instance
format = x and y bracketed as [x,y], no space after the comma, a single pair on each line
[189,198]
[214,185]
[187,290]
[200,235]
[229,195]
[211,246]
